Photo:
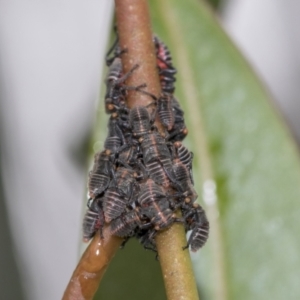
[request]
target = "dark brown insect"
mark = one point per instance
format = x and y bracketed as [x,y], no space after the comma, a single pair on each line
[196,221]
[100,175]
[128,155]
[167,79]
[165,111]
[119,194]
[179,130]
[140,121]
[114,204]
[185,156]
[157,159]
[160,214]
[146,238]
[183,177]
[91,223]
[126,224]
[172,117]
[155,205]
[93,220]
[116,89]
[114,94]
[115,138]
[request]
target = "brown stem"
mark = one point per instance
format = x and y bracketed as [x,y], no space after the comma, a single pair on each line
[91,267]
[134,28]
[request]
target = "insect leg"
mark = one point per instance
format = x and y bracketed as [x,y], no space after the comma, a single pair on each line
[124,77]
[112,48]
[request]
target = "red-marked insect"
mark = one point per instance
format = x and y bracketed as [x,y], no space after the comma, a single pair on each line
[164,63]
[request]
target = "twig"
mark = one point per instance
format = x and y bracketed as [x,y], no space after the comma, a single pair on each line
[176,264]
[134,28]
[91,267]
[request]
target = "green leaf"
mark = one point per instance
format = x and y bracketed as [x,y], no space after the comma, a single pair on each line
[241,144]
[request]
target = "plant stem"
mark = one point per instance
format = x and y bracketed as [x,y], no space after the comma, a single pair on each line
[135,36]
[176,264]
[204,163]
[134,28]
[92,266]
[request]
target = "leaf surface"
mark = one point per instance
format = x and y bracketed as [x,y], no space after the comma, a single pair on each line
[240,144]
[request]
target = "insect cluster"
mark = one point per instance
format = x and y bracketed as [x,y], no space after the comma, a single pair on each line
[141,178]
